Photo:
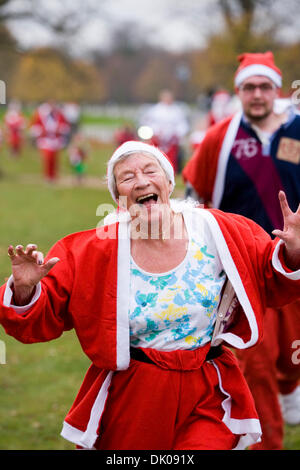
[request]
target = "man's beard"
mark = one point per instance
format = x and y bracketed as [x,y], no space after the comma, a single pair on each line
[258,118]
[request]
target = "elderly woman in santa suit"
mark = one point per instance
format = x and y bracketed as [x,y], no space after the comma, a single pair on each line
[155,295]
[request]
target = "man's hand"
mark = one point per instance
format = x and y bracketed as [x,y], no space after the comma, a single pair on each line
[290,234]
[28,268]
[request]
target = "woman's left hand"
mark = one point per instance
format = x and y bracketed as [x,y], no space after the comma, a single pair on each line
[290,234]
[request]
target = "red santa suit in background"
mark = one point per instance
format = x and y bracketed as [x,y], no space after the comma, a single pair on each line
[14,124]
[124,134]
[50,129]
[220,107]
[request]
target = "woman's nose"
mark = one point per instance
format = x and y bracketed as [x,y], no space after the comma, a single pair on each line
[141,180]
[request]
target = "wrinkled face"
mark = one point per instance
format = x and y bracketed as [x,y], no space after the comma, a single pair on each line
[257,95]
[142,181]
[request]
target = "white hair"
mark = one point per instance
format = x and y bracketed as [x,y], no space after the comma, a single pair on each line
[134,147]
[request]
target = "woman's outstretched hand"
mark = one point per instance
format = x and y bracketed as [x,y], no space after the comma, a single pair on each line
[28,268]
[290,234]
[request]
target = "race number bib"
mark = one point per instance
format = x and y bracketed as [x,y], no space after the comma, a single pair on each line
[245,148]
[289,150]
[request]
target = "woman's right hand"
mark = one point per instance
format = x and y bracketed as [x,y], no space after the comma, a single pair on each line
[28,268]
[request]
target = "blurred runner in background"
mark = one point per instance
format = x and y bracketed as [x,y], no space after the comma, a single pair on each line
[169,126]
[124,134]
[77,152]
[14,122]
[50,129]
[220,107]
[71,111]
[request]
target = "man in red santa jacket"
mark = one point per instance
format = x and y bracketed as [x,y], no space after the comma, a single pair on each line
[240,166]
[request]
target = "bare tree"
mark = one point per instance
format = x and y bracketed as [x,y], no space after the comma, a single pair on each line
[61,17]
[252,16]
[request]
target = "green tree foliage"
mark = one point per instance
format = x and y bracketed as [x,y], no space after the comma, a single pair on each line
[45,73]
[9,57]
[134,71]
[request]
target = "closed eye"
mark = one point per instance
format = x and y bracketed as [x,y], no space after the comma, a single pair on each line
[127,178]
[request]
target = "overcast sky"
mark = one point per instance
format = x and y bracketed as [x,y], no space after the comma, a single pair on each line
[176,25]
[163,22]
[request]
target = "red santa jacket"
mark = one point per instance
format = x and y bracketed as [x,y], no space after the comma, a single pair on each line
[89,290]
[49,127]
[14,121]
[206,175]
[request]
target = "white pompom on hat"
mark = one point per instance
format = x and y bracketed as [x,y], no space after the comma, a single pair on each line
[257,64]
[133,146]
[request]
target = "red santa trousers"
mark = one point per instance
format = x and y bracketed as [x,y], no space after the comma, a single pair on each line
[172,404]
[269,370]
[15,141]
[50,163]
[173,155]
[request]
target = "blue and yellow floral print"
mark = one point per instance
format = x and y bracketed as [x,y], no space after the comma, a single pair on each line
[176,310]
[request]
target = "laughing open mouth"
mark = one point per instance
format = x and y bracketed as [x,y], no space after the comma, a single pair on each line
[147,199]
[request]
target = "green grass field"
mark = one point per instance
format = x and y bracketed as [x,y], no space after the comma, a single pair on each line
[39,382]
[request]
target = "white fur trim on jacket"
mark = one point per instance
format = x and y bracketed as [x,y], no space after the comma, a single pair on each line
[223,159]
[294,275]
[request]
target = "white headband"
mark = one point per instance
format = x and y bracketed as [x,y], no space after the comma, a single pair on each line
[133,146]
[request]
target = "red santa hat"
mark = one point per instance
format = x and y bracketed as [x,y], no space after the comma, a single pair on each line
[130,147]
[257,64]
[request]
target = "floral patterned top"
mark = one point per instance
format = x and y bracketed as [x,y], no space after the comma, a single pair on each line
[177,309]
